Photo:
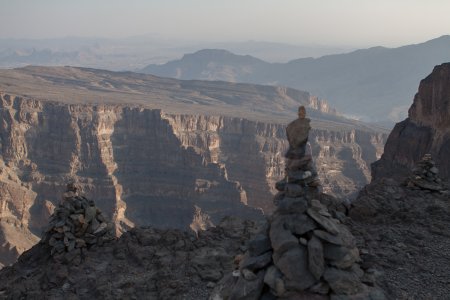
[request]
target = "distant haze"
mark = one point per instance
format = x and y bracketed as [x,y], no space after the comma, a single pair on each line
[355,23]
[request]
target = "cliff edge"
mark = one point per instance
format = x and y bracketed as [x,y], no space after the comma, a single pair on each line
[426,130]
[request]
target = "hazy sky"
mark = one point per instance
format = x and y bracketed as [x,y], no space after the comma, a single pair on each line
[324,22]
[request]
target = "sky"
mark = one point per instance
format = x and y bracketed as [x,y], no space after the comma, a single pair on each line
[353,23]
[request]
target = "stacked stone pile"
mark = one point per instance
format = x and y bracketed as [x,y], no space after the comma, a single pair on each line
[305,253]
[426,176]
[75,226]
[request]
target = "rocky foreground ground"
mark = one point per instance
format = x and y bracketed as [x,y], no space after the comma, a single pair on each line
[144,263]
[404,236]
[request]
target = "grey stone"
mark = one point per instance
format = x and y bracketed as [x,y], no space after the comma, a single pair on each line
[324,222]
[348,260]
[256,262]
[268,296]
[210,275]
[334,252]
[89,213]
[281,238]
[320,288]
[303,295]
[298,176]
[297,132]
[280,288]
[293,264]
[304,163]
[289,205]
[248,290]
[303,241]
[248,274]
[316,261]
[292,205]
[337,240]
[434,170]
[101,229]
[343,282]
[299,224]
[294,190]
[272,274]
[259,245]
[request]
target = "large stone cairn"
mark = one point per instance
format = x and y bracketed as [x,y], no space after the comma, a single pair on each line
[305,253]
[75,226]
[426,176]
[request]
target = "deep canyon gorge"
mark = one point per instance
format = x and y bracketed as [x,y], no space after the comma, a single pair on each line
[155,162]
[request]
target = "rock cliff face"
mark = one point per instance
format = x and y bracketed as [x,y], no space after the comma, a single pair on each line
[187,165]
[144,165]
[426,130]
[401,218]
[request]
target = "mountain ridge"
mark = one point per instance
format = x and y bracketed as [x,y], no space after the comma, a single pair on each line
[350,80]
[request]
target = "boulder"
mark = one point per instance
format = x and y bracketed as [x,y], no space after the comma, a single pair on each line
[293,264]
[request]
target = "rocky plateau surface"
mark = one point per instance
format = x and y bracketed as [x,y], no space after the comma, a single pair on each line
[147,148]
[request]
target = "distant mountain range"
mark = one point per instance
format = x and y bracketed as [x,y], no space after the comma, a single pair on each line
[375,84]
[137,52]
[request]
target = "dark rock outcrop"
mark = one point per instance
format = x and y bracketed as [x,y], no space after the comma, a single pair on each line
[144,263]
[426,130]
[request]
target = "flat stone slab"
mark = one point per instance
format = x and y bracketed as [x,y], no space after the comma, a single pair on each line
[292,205]
[294,266]
[256,262]
[324,222]
[294,190]
[343,282]
[316,261]
[323,235]
[259,245]
[299,224]
[280,237]
[248,290]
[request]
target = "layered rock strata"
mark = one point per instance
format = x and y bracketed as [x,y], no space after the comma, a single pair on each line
[139,162]
[306,252]
[143,145]
[426,130]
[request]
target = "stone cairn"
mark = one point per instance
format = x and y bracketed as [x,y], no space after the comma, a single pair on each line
[426,176]
[75,226]
[305,253]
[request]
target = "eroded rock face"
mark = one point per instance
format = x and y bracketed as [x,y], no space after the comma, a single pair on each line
[426,130]
[141,162]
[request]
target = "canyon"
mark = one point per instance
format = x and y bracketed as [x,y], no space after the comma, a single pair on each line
[158,152]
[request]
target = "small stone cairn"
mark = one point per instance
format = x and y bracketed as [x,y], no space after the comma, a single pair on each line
[426,176]
[305,253]
[75,226]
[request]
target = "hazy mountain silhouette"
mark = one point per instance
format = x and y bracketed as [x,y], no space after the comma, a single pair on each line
[375,84]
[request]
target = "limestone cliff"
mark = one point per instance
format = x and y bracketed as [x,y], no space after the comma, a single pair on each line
[426,130]
[159,152]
